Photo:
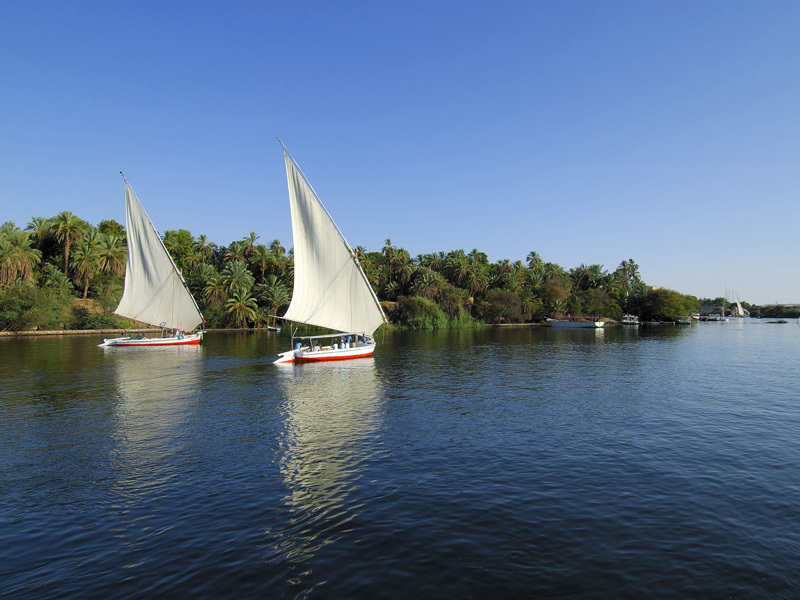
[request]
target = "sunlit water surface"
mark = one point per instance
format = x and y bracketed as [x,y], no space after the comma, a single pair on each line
[530,462]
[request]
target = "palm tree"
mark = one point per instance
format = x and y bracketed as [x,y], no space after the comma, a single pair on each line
[214,290]
[92,237]
[8,228]
[250,243]
[535,279]
[530,303]
[477,278]
[194,258]
[262,317]
[8,262]
[511,280]
[427,283]
[478,257]
[242,306]
[638,292]
[388,249]
[261,258]
[39,228]
[235,252]
[577,276]
[535,263]
[554,271]
[204,247]
[457,268]
[237,276]
[113,255]
[66,228]
[17,257]
[57,281]
[172,244]
[391,290]
[274,294]
[403,266]
[275,246]
[86,263]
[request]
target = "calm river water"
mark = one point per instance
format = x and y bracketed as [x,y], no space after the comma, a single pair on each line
[531,462]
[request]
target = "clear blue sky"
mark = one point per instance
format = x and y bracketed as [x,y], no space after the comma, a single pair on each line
[590,132]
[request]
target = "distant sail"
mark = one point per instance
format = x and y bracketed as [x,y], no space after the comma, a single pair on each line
[741,312]
[330,288]
[155,292]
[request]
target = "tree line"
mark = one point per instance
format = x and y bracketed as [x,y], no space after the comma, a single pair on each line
[55,270]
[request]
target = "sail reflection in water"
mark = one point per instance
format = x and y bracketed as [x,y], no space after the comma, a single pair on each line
[331,415]
[155,391]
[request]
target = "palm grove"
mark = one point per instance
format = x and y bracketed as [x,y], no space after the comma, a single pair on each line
[63,273]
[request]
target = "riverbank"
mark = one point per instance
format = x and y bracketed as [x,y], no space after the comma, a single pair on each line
[117,332]
[114,332]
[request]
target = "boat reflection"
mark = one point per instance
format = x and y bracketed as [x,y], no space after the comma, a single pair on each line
[331,413]
[155,388]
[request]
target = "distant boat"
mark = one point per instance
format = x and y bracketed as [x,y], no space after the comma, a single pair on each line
[739,311]
[715,318]
[155,292]
[575,323]
[330,287]
[630,320]
[684,320]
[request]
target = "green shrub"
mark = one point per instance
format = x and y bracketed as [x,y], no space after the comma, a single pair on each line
[416,312]
[101,322]
[24,306]
[500,306]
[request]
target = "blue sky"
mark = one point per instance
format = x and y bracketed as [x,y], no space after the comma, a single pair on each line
[590,132]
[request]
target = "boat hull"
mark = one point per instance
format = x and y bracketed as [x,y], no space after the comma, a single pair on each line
[305,356]
[575,324]
[128,342]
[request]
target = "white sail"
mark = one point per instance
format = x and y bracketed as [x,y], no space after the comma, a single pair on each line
[155,292]
[330,289]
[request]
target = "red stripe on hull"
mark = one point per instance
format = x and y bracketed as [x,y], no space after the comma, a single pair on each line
[190,342]
[328,358]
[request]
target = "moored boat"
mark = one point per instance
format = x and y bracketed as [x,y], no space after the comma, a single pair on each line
[630,320]
[575,323]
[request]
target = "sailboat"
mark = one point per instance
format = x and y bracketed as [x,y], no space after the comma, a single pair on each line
[740,312]
[330,287]
[155,291]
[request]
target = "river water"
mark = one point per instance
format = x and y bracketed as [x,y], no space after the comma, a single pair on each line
[655,462]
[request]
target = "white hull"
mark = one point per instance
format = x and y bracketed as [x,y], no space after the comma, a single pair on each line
[128,342]
[305,355]
[575,324]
